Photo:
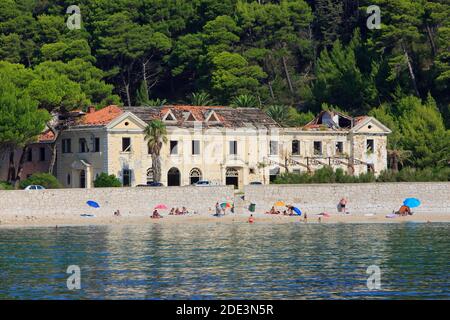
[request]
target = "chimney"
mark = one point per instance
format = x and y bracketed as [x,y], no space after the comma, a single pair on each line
[91,109]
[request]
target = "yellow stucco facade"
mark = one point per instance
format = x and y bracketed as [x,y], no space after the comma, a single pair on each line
[222,155]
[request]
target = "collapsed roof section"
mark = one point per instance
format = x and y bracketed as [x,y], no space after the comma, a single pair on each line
[332,120]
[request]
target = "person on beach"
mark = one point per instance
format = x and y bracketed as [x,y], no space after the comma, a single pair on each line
[177,212]
[305,218]
[272,211]
[156,215]
[117,213]
[218,209]
[172,211]
[404,211]
[342,204]
[184,210]
[251,219]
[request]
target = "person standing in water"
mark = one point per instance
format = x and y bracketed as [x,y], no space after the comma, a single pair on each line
[251,219]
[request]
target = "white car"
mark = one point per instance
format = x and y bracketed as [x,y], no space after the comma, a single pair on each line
[202,183]
[34,187]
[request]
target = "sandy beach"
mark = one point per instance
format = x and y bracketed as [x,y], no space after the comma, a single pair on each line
[66,220]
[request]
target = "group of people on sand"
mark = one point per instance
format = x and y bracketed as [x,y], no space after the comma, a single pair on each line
[288,212]
[173,212]
[178,212]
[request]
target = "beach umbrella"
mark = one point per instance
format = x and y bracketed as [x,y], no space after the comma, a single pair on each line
[225,205]
[297,211]
[411,202]
[279,204]
[161,207]
[93,204]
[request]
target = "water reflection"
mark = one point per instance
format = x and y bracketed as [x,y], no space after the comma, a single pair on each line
[224,261]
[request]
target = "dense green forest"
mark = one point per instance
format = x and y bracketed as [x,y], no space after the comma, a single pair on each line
[292,58]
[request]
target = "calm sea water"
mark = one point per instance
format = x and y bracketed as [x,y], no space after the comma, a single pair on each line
[227,261]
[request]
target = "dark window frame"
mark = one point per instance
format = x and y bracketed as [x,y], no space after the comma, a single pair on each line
[126,147]
[195,147]
[339,147]
[82,145]
[233,146]
[126,173]
[66,145]
[97,145]
[295,145]
[318,148]
[173,145]
[370,145]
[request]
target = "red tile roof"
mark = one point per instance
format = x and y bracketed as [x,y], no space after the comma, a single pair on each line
[102,116]
[46,136]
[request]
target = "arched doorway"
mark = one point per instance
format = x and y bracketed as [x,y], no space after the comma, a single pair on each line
[149,175]
[232,178]
[173,177]
[195,175]
[83,179]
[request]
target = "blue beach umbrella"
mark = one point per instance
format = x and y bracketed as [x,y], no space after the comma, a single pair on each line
[297,211]
[93,204]
[411,202]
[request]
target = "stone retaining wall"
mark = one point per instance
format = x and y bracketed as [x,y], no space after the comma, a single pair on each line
[379,198]
[362,198]
[134,201]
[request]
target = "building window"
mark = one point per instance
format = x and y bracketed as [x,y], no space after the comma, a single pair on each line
[126,144]
[339,147]
[97,145]
[195,175]
[370,145]
[273,147]
[66,146]
[296,171]
[233,147]
[126,177]
[251,170]
[295,147]
[195,147]
[29,155]
[317,148]
[41,154]
[82,145]
[173,147]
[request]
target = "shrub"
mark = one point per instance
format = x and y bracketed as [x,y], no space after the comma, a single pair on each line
[328,175]
[107,181]
[46,180]
[5,186]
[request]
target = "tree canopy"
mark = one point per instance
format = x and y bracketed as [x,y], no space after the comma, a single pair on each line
[288,56]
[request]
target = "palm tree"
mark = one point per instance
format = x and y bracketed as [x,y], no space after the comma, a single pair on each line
[398,156]
[155,103]
[244,101]
[201,99]
[278,113]
[156,136]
